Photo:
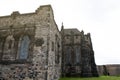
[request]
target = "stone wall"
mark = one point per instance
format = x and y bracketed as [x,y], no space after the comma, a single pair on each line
[30,47]
[109,70]
[77,54]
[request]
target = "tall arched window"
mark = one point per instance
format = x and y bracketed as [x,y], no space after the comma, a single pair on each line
[77,53]
[68,55]
[8,52]
[24,47]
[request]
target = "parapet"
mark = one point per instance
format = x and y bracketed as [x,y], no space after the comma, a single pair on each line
[45,7]
[14,14]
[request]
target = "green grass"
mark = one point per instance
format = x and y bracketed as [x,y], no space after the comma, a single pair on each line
[94,78]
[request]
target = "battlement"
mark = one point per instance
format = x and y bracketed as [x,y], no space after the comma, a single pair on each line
[43,8]
[42,15]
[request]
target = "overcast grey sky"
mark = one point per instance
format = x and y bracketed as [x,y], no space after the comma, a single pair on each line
[99,17]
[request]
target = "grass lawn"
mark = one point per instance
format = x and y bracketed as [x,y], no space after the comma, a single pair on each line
[94,78]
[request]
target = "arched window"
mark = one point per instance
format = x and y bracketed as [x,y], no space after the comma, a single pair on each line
[77,53]
[24,47]
[68,55]
[8,52]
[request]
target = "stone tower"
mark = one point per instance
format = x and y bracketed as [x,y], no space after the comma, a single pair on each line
[77,54]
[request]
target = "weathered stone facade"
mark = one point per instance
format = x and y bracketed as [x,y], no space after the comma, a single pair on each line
[109,70]
[30,46]
[77,54]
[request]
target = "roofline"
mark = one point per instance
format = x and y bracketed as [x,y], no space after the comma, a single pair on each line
[29,13]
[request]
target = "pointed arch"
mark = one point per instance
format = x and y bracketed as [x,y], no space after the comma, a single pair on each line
[77,55]
[8,53]
[24,47]
[68,55]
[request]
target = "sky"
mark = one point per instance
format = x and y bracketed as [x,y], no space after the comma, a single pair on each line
[101,18]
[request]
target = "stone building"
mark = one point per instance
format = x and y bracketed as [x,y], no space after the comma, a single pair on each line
[109,70]
[77,54]
[30,46]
